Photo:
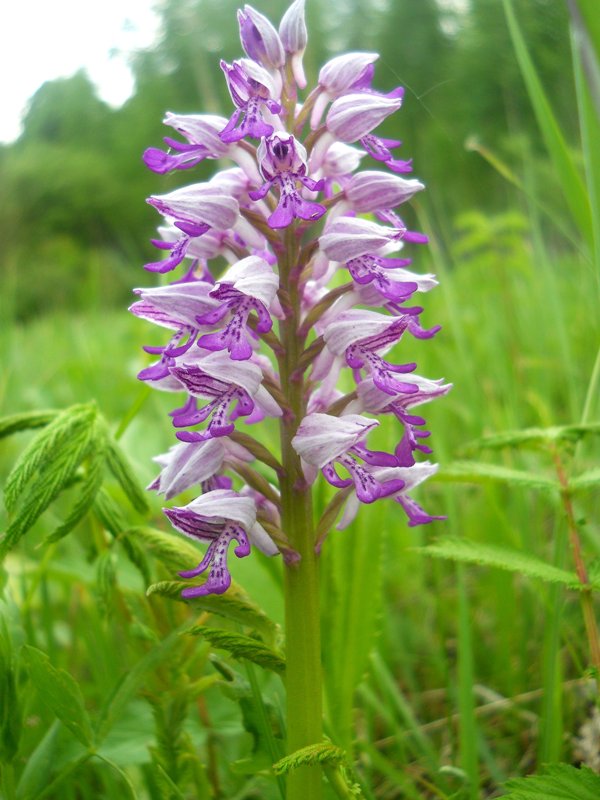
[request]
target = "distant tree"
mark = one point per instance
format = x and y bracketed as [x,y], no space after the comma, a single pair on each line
[67,111]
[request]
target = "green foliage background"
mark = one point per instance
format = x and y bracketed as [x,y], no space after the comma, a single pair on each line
[442,681]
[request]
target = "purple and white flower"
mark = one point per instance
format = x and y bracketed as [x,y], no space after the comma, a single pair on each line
[283,290]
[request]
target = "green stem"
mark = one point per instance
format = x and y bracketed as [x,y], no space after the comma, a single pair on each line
[8,781]
[302,618]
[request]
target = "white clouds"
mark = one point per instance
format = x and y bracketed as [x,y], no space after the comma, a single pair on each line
[42,40]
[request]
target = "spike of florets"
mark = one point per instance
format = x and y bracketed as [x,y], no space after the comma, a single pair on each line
[311,291]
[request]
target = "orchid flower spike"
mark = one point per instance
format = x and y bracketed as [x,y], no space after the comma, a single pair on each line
[291,301]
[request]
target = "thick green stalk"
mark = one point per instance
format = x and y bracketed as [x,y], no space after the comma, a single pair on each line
[302,619]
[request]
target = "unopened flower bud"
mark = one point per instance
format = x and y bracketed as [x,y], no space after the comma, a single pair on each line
[355,115]
[259,39]
[373,191]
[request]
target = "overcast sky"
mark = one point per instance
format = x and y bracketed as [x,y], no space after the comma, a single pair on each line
[45,39]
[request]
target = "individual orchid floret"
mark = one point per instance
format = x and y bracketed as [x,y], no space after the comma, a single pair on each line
[259,39]
[193,210]
[410,478]
[294,36]
[359,335]
[195,463]
[353,116]
[249,285]
[232,387]
[282,162]
[381,150]
[175,307]
[337,77]
[323,440]
[373,400]
[203,141]
[351,237]
[251,88]
[371,191]
[219,517]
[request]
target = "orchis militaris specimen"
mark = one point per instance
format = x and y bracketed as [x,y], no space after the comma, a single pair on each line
[313,292]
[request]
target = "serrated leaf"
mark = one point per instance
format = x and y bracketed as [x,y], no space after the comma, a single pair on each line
[28,420]
[89,488]
[231,605]
[51,467]
[121,469]
[60,692]
[478,472]
[175,552]
[314,754]
[533,436]
[42,450]
[137,555]
[556,782]
[241,647]
[106,579]
[109,513]
[465,551]
[587,480]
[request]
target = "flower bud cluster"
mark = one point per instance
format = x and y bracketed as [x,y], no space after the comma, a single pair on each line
[284,219]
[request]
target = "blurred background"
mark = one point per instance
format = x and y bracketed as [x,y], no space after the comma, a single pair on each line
[442,681]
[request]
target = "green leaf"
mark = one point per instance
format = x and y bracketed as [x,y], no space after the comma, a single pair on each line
[88,489]
[43,449]
[534,436]
[569,179]
[231,605]
[40,763]
[478,472]
[25,421]
[109,513]
[587,480]
[242,647]
[47,467]
[60,692]
[11,722]
[323,753]
[175,552]
[588,10]
[556,782]
[489,555]
[133,680]
[121,469]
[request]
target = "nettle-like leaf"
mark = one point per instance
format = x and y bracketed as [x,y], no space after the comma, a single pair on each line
[488,555]
[123,473]
[60,692]
[556,782]
[28,420]
[587,480]
[47,467]
[478,472]
[174,552]
[242,647]
[74,450]
[323,753]
[533,437]
[232,605]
